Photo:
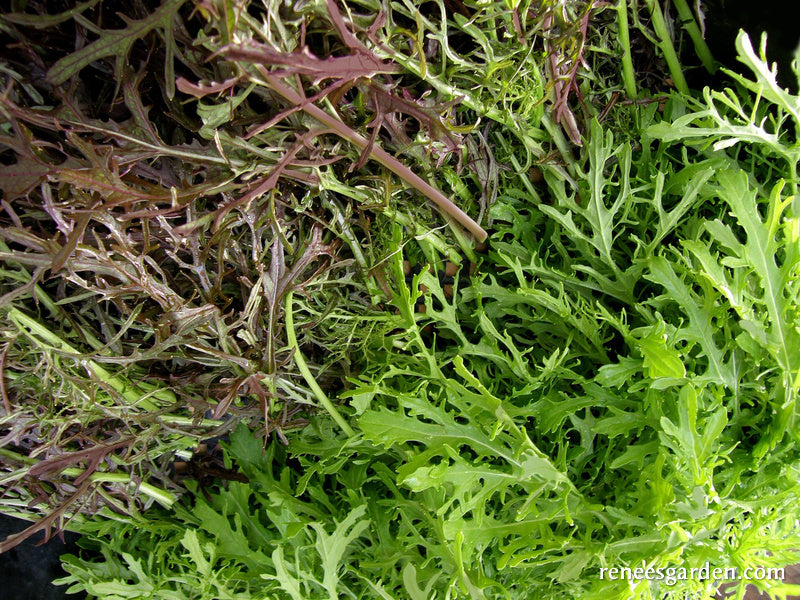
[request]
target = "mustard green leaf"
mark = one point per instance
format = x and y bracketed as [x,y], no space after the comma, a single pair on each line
[116,43]
[659,360]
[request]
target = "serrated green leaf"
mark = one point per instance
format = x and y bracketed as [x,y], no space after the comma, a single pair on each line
[761,249]
[143,582]
[117,43]
[572,566]
[637,454]
[214,115]
[700,313]
[766,83]
[620,373]
[47,21]
[659,360]
[288,582]
[192,544]
[599,225]
[331,548]
[387,427]
[411,584]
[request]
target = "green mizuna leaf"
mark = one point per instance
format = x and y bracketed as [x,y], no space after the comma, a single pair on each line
[766,83]
[117,43]
[601,210]
[700,328]
[660,360]
[331,548]
[771,252]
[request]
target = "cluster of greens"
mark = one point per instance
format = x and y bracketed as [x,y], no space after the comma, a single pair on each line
[615,387]
[613,384]
[163,193]
[172,173]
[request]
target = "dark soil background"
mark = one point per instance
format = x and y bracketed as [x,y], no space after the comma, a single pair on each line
[724,18]
[27,570]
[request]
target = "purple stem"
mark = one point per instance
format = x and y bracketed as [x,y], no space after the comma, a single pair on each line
[378,154]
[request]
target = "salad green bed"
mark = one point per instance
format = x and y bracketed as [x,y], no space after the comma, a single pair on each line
[615,385]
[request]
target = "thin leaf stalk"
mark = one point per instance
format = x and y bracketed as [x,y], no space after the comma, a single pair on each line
[163,497]
[302,366]
[128,391]
[350,239]
[668,49]
[625,41]
[561,143]
[689,23]
[379,155]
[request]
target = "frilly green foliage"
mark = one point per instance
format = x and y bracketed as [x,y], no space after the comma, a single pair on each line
[616,387]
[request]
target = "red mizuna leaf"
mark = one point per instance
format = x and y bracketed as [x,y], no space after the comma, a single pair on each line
[20,178]
[93,456]
[266,183]
[428,116]
[347,36]
[199,90]
[303,62]
[44,523]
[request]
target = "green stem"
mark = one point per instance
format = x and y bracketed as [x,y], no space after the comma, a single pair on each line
[522,173]
[355,247]
[561,144]
[665,43]
[163,497]
[625,42]
[690,25]
[127,390]
[306,372]
[190,421]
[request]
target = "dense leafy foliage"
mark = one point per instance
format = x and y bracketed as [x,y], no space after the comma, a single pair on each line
[615,387]
[613,384]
